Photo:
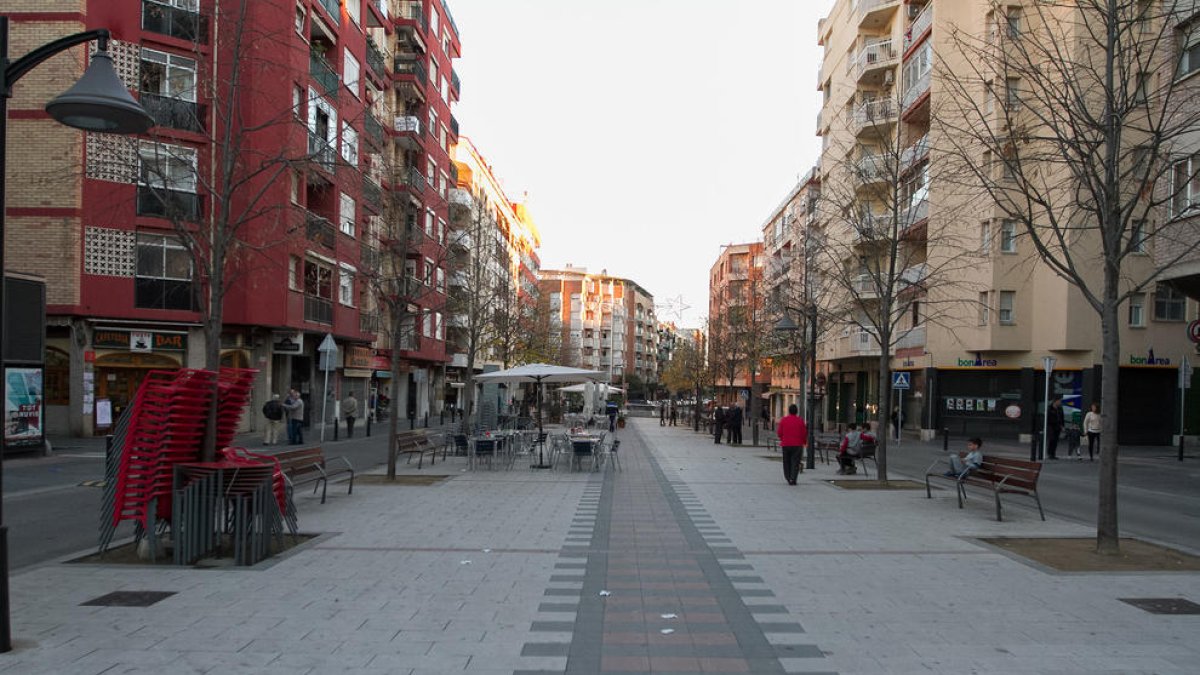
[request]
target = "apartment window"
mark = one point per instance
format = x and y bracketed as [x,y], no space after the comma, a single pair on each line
[354,11]
[985,238]
[293,273]
[441,231]
[1008,236]
[1169,304]
[346,214]
[298,102]
[350,145]
[301,13]
[294,187]
[162,165]
[427,324]
[1137,310]
[168,75]
[916,313]
[318,280]
[1185,185]
[1142,92]
[1012,93]
[1137,236]
[441,329]
[350,72]
[441,280]
[433,71]
[984,309]
[1189,48]
[1008,315]
[346,287]
[429,224]
[1014,23]
[163,274]
[434,24]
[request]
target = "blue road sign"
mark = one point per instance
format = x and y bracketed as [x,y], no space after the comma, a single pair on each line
[901,381]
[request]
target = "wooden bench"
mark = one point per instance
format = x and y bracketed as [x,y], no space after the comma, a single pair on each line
[418,442]
[309,465]
[1002,475]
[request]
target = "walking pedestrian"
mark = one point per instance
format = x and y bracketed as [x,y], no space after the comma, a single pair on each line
[718,424]
[662,414]
[294,405]
[735,425]
[1092,424]
[793,436]
[1054,427]
[674,414]
[273,411]
[350,412]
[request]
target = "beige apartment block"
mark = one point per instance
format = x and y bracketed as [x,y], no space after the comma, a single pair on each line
[981,309]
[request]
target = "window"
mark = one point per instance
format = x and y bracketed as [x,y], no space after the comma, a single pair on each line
[294,187]
[293,273]
[985,238]
[163,276]
[441,280]
[916,313]
[428,278]
[350,72]
[354,11]
[1137,310]
[350,145]
[298,102]
[1014,23]
[300,15]
[1189,48]
[168,75]
[984,309]
[441,329]
[427,323]
[429,224]
[162,165]
[433,72]
[1185,185]
[346,287]
[441,231]
[1137,236]
[1012,93]
[1008,236]
[1008,315]
[1142,92]
[1169,304]
[346,214]
[434,26]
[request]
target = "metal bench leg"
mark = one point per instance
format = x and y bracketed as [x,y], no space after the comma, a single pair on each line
[998,517]
[324,488]
[351,490]
[962,492]
[1038,499]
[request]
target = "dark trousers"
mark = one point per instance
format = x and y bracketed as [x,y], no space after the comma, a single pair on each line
[1093,443]
[295,432]
[791,462]
[846,461]
[350,426]
[1052,442]
[737,433]
[717,436]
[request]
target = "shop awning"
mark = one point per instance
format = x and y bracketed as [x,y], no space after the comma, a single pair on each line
[356,372]
[383,374]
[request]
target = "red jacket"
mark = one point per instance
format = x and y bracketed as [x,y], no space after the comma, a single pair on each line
[792,431]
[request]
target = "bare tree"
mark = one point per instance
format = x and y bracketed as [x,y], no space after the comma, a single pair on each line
[1072,118]
[880,252]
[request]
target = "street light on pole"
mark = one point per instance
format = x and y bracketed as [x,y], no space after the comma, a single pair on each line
[807,376]
[1047,363]
[97,102]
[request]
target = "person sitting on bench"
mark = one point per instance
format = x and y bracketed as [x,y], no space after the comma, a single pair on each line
[851,448]
[959,466]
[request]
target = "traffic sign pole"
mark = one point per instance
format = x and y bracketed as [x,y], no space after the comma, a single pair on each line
[1185,383]
[900,382]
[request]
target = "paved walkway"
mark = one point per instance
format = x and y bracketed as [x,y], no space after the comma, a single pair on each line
[538,572]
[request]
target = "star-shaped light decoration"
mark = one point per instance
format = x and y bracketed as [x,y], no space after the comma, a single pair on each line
[672,307]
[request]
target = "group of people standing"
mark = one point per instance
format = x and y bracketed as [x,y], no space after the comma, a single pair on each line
[667,412]
[1056,424]
[291,410]
[728,421]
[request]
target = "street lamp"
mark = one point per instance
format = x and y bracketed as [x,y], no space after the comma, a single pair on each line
[97,102]
[786,325]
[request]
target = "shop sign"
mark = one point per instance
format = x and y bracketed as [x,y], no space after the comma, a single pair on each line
[358,357]
[978,362]
[1013,412]
[381,363]
[139,341]
[22,406]
[288,343]
[1149,360]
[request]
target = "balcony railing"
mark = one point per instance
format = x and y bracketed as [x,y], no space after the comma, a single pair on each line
[873,227]
[864,286]
[373,127]
[376,60]
[334,8]
[919,27]
[412,179]
[863,342]
[406,66]
[407,124]
[320,230]
[455,83]
[872,168]
[454,125]
[915,214]
[324,75]
[369,257]
[179,23]
[318,310]
[368,323]
[166,203]
[871,113]
[916,89]
[321,151]
[915,152]
[412,14]
[874,54]
[913,337]
[174,113]
[372,193]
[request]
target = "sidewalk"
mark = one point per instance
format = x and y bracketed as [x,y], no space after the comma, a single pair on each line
[502,572]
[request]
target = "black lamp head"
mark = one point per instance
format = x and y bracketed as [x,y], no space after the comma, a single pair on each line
[99,101]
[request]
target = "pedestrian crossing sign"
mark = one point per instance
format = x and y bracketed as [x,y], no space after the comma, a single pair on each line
[901,381]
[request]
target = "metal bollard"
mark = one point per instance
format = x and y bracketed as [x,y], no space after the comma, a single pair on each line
[945,439]
[369,426]
[1181,447]
[1033,446]
[412,423]
[442,418]
[335,428]
[427,419]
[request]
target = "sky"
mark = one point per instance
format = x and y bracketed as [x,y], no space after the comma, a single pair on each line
[647,133]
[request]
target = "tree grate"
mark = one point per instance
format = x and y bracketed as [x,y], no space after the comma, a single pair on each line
[128,599]
[1177,606]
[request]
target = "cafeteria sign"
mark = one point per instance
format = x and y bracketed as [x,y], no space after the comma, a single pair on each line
[139,341]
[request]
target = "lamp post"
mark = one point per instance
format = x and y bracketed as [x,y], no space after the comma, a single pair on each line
[1047,363]
[97,102]
[807,379]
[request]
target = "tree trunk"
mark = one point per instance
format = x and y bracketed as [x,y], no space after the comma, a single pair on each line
[394,402]
[885,407]
[752,409]
[1107,534]
[212,362]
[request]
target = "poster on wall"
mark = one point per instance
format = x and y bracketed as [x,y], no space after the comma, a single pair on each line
[22,407]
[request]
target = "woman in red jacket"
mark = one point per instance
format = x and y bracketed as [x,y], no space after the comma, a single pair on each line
[793,436]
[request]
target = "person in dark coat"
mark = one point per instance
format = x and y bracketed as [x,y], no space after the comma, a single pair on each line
[735,425]
[1054,427]
[718,424]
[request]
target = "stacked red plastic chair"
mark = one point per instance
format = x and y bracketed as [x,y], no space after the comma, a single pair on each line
[233,395]
[167,427]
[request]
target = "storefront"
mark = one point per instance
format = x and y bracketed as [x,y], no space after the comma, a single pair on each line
[121,358]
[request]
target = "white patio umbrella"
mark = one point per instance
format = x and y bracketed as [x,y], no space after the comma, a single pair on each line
[541,373]
[583,388]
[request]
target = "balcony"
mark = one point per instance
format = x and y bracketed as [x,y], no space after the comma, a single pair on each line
[873,168]
[324,74]
[178,23]
[872,227]
[410,76]
[915,215]
[319,230]
[412,17]
[318,310]
[369,257]
[915,90]
[863,343]
[875,54]
[321,151]
[373,128]
[920,27]
[864,287]
[454,126]
[412,179]
[913,337]
[875,13]
[873,113]
[175,205]
[376,60]
[408,129]
[369,323]
[914,153]
[173,113]
[372,193]
[455,84]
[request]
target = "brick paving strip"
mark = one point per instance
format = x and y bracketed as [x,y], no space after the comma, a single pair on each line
[650,544]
